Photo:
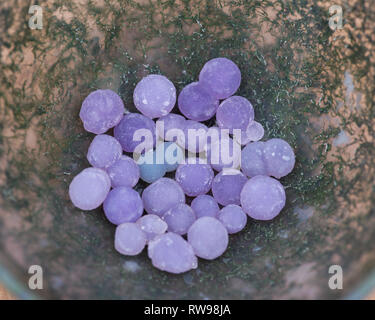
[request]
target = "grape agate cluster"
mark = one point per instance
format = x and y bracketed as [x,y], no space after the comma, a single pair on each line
[197,194]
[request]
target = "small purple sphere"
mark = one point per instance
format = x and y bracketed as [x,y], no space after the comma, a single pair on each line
[172,253]
[252,162]
[154,96]
[253,132]
[194,178]
[221,77]
[152,225]
[124,172]
[169,127]
[89,188]
[227,186]
[179,218]
[129,125]
[262,198]
[101,111]
[123,204]
[162,195]
[205,206]
[208,237]
[104,151]
[233,218]
[196,103]
[129,239]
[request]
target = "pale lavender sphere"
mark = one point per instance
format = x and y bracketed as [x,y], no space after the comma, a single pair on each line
[130,240]
[196,103]
[227,186]
[194,137]
[162,195]
[233,218]
[221,77]
[262,198]
[252,161]
[154,96]
[169,127]
[124,172]
[104,151]
[172,253]
[130,123]
[208,237]
[123,204]
[179,218]
[195,178]
[89,188]
[279,157]
[235,113]
[152,225]
[101,110]
[205,206]
[253,132]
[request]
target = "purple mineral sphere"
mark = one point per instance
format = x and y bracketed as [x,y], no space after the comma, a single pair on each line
[169,127]
[233,218]
[227,186]
[129,125]
[262,198]
[172,253]
[104,151]
[208,237]
[196,103]
[162,195]
[205,206]
[154,96]
[101,110]
[152,225]
[123,204]
[252,162]
[194,137]
[279,157]
[129,239]
[124,172]
[89,188]
[253,132]
[179,218]
[221,77]
[235,113]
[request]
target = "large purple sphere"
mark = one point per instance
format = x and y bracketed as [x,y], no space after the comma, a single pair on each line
[162,195]
[262,198]
[123,204]
[128,126]
[89,188]
[233,218]
[172,253]
[208,237]
[124,172]
[154,96]
[104,151]
[129,239]
[101,110]
[205,206]
[195,179]
[179,218]
[152,225]
[221,77]
[196,103]
[169,127]
[252,161]
[227,186]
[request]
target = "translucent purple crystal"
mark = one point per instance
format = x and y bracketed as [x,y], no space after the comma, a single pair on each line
[208,237]
[104,151]
[227,186]
[101,110]
[124,172]
[233,218]
[221,77]
[123,204]
[179,218]
[129,239]
[235,113]
[262,198]
[205,206]
[253,132]
[89,188]
[196,103]
[194,138]
[172,253]
[154,96]
[162,195]
[252,162]
[169,127]
[128,126]
[279,157]
[152,225]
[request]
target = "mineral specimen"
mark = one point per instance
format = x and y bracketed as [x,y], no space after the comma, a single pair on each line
[104,151]
[129,239]
[179,218]
[124,172]
[205,206]
[233,218]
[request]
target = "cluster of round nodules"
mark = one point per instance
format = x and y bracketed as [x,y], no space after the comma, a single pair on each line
[222,190]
